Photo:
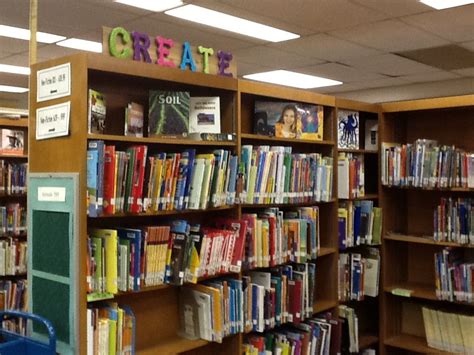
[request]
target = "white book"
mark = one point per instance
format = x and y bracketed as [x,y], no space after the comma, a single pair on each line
[196,183]
[90,333]
[343,177]
[204,115]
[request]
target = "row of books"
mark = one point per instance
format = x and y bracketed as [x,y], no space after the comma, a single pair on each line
[350,176]
[13,256]
[454,276]
[260,301]
[13,177]
[110,330]
[426,164]
[183,252]
[359,222]
[12,219]
[13,295]
[454,221]
[277,175]
[358,275]
[448,331]
[129,181]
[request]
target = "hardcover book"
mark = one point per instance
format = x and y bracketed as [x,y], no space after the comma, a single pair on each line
[348,129]
[204,115]
[97,112]
[12,141]
[134,120]
[168,113]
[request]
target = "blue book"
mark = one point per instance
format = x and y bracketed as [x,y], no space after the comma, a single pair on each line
[189,172]
[262,155]
[233,165]
[135,237]
[357,222]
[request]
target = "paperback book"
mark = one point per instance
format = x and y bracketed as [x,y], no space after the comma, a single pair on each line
[168,113]
[97,112]
[204,115]
[12,141]
[134,120]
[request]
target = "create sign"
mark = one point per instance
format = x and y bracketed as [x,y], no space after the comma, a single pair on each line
[120,43]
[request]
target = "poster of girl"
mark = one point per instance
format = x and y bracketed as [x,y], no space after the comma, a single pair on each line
[288,123]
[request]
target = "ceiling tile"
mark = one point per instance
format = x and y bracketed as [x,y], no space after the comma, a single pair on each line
[12,45]
[390,36]
[325,47]
[468,45]
[274,58]
[15,13]
[17,59]
[389,64]
[379,83]
[456,24]
[340,72]
[395,8]
[465,72]
[53,51]
[426,77]
[185,31]
[250,68]
[14,80]
[312,16]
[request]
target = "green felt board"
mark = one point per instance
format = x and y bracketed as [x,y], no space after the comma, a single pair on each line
[52,302]
[51,242]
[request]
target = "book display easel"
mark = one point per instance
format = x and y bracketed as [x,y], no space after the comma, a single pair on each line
[13,244]
[359,232]
[426,163]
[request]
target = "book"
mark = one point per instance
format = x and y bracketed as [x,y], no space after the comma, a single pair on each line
[347,129]
[168,113]
[371,135]
[97,112]
[134,120]
[12,142]
[204,115]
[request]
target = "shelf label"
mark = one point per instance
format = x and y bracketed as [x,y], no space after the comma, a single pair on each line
[53,82]
[53,121]
[51,194]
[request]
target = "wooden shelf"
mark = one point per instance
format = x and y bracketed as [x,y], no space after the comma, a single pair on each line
[170,141]
[22,122]
[3,195]
[357,151]
[365,197]
[411,343]
[367,340]
[297,204]
[441,189]
[326,251]
[13,156]
[324,305]
[424,240]
[418,290]
[173,345]
[258,137]
[164,213]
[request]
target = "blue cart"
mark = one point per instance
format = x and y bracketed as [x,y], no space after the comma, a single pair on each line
[16,344]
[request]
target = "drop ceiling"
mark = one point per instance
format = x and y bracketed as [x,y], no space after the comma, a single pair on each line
[364,43]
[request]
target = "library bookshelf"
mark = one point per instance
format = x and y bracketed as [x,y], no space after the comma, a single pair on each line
[13,202]
[408,249]
[367,310]
[156,308]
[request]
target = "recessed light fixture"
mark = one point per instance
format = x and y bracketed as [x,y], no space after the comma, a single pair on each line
[289,78]
[230,23]
[152,5]
[14,89]
[22,33]
[446,4]
[14,69]
[81,44]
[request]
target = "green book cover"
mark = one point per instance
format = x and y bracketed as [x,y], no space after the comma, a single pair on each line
[168,113]
[377,230]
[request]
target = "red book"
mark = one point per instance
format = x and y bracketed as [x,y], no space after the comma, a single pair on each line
[109,179]
[138,177]
[296,287]
[240,227]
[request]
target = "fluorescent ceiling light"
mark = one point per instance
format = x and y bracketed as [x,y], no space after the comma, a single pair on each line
[22,33]
[14,69]
[230,23]
[152,5]
[81,44]
[14,89]
[289,78]
[446,4]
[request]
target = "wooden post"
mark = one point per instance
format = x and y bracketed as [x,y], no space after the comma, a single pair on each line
[33,28]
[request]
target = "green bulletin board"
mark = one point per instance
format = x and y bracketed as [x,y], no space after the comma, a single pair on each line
[52,245]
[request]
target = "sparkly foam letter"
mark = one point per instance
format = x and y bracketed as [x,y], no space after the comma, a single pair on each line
[126,39]
[187,58]
[224,60]
[141,43]
[163,50]
[206,52]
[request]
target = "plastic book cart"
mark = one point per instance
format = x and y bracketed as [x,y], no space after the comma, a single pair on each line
[12,343]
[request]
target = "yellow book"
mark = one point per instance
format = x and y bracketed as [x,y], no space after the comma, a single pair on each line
[252,179]
[265,244]
[259,238]
[110,238]
[217,326]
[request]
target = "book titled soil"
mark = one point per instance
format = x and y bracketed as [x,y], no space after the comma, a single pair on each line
[168,113]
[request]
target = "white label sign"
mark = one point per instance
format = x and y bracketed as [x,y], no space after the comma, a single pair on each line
[53,121]
[52,194]
[52,83]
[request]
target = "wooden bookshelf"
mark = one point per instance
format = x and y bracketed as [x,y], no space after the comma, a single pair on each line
[7,122]
[358,151]
[282,141]
[365,197]
[163,141]
[408,246]
[367,341]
